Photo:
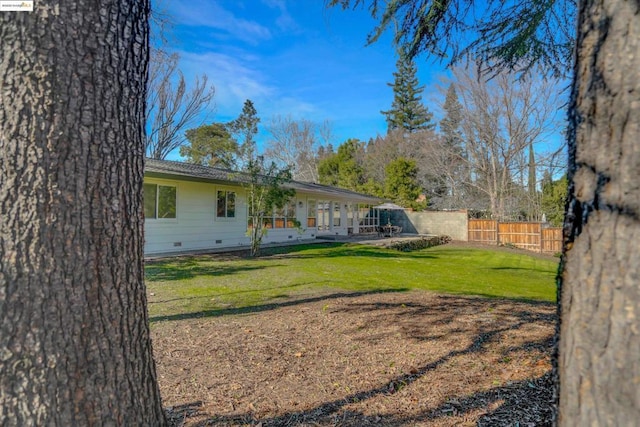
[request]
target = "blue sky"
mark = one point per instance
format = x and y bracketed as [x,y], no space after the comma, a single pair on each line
[292,57]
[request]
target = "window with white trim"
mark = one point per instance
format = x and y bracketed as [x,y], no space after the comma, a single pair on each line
[285,217]
[311,213]
[159,201]
[226,204]
[336,214]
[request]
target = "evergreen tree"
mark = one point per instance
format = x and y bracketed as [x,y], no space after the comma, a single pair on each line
[401,182]
[210,145]
[244,129]
[454,155]
[343,169]
[554,198]
[407,111]
[450,124]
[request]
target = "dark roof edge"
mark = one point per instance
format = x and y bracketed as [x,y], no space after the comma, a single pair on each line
[170,168]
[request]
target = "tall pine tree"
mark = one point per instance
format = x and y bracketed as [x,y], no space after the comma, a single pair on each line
[450,124]
[407,112]
[244,129]
[450,127]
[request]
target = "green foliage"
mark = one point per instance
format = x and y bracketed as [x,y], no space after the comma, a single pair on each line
[373,188]
[342,169]
[511,35]
[407,111]
[554,198]
[401,183]
[245,128]
[210,145]
[208,286]
[418,244]
[265,192]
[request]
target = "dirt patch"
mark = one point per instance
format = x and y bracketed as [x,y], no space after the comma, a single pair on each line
[383,359]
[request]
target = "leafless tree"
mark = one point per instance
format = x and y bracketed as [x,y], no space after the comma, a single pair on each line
[294,143]
[441,170]
[171,107]
[503,120]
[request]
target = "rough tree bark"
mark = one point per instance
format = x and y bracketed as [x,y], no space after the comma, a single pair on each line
[599,362]
[74,336]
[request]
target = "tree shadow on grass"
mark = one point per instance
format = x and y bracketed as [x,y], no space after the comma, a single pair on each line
[188,268]
[523,402]
[537,270]
[243,291]
[266,307]
[184,268]
[341,249]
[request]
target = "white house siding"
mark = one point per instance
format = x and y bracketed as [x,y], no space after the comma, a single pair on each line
[197,228]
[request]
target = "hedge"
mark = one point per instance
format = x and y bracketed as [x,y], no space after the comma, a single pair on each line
[417,244]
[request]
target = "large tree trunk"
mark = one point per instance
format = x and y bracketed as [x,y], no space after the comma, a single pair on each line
[599,350]
[74,336]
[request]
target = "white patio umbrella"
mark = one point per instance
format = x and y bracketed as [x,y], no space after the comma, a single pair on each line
[388,206]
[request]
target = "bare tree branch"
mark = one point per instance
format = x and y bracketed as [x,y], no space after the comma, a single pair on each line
[293,143]
[171,108]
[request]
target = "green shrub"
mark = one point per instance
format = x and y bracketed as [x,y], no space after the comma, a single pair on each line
[422,243]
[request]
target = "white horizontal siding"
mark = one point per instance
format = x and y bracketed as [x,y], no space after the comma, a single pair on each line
[196,226]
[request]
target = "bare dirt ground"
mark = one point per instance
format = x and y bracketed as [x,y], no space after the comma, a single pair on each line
[378,359]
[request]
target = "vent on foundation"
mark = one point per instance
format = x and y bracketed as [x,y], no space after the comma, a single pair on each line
[290,237]
[177,244]
[218,242]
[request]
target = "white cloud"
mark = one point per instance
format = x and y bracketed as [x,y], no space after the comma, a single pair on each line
[213,15]
[284,21]
[234,80]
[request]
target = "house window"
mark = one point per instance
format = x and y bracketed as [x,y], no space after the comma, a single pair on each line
[336,214]
[350,215]
[159,201]
[226,204]
[368,217]
[323,214]
[278,217]
[285,217]
[311,213]
[290,214]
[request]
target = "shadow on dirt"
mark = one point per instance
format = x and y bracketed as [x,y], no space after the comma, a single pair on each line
[525,402]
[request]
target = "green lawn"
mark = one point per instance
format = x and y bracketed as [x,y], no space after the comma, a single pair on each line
[185,287]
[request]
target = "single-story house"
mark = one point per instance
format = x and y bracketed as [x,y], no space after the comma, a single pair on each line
[191,207]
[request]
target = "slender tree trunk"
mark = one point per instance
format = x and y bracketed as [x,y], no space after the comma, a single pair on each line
[599,349]
[74,336]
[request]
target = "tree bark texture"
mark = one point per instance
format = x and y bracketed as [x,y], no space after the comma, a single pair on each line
[74,335]
[599,349]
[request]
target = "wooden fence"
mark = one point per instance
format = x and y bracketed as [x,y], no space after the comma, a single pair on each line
[527,235]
